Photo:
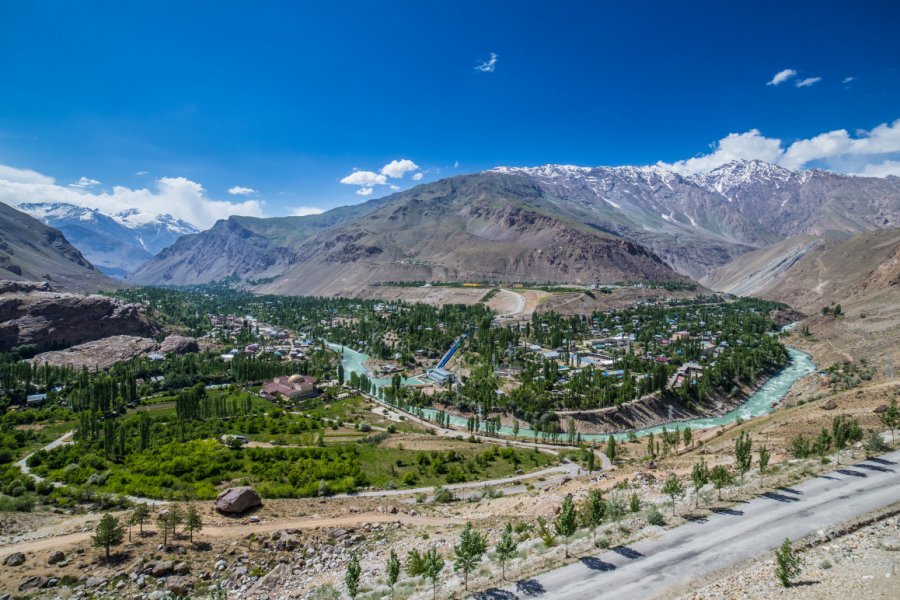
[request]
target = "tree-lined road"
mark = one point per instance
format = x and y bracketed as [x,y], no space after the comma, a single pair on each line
[651,567]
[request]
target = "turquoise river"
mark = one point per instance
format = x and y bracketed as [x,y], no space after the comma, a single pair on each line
[760,403]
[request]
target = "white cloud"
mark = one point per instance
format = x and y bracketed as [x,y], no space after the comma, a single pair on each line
[455,164]
[241,191]
[888,167]
[177,196]
[365,178]
[808,81]
[489,65]
[84,182]
[398,168]
[848,80]
[303,211]
[141,173]
[782,76]
[14,175]
[735,146]
[418,176]
[395,188]
[865,152]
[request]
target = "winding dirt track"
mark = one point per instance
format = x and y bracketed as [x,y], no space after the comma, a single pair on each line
[241,529]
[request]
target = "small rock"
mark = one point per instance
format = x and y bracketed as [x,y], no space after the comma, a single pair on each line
[32,583]
[179,585]
[57,556]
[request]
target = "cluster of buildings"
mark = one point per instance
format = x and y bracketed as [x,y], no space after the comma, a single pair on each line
[290,387]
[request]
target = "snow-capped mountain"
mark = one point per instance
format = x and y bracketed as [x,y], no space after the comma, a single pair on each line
[116,243]
[697,222]
[549,223]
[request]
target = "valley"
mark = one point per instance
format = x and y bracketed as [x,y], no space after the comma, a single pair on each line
[486,355]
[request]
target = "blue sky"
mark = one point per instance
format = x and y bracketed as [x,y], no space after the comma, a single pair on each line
[196,99]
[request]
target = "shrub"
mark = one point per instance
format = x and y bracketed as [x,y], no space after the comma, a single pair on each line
[654,517]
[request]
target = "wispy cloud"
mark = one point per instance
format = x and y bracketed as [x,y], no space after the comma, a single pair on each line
[141,173]
[875,152]
[305,211]
[365,191]
[488,66]
[782,76]
[84,183]
[241,191]
[848,80]
[809,81]
[418,176]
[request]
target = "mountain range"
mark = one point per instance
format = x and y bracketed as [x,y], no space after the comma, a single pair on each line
[554,223]
[32,251]
[116,243]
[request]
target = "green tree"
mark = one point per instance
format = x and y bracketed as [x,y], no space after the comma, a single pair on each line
[505,549]
[468,552]
[634,503]
[433,564]
[192,521]
[415,563]
[611,450]
[140,515]
[393,571]
[844,430]
[162,521]
[567,521]
[594,512]
[688,436]
[721,477]
[674,489]
[743,454]
[837,310]
[352,576]
[890,417]
[699,477]
[109,533]
[764,456]
[787,563]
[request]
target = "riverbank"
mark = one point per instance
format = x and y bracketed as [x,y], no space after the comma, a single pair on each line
[758,403]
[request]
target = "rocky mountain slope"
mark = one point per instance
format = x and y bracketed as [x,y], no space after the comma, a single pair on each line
[552,223]
[697,223]
[243,247]
[118,243]
[31,313]
[862,274]
[30,250]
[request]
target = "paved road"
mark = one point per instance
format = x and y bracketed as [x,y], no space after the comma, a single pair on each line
[649,568]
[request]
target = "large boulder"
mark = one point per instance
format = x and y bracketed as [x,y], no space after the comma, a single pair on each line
[179,344]
[56,556]
[237,500]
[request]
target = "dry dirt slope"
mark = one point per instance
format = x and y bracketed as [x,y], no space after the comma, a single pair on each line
[862,274]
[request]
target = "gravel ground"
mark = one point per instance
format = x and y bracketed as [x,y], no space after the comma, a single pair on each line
[861,565]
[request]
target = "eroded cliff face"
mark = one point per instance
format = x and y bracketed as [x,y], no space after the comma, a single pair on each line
[31,313]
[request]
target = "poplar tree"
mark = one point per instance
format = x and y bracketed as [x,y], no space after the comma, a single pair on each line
[468,552]
[505,549]
[567,522]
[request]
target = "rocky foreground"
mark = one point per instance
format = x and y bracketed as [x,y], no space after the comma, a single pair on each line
[32,314]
